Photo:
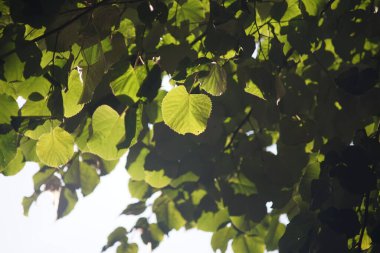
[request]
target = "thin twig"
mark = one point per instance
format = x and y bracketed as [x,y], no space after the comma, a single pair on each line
[57,29]
[365,220]
[246,118]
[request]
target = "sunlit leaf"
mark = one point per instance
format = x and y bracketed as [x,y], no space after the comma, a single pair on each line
[8,108]
[216,81]
[248,244]
[70,98]
[55,148]
[108,129]
[184,112]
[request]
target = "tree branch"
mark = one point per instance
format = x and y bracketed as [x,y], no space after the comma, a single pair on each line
[246,118]
[57,29]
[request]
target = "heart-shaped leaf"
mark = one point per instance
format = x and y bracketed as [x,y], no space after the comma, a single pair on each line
[184,112]
[55,148]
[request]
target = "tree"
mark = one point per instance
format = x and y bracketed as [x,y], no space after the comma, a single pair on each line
[248,77]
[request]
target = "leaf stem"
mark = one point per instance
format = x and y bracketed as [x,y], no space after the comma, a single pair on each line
[245,120]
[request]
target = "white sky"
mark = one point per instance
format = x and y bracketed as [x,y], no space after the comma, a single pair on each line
[86,228]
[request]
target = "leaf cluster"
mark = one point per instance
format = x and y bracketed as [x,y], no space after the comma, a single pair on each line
[271,103]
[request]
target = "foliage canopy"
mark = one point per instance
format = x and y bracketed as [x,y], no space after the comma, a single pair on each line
[248,77]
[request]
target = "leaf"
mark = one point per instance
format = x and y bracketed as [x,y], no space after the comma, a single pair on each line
[67,201]
[135,208]
[27,203]
[119,234]
[8,150]
[41,177]
[151,84]
[127,84]
[184,112]
[91,76]
[275,232]
[108,129]
[71,97]
[135,162]
[128,248]
[157,179]
[314,7]
[248,244]
[55,148]
[42,129]
[210,221]
[192,11]
[221,238]
[89,178]
[184,178]
[216,81]
[252,89]
[15,165]
[8,107]
[133,122]
[167,213]
[138,189]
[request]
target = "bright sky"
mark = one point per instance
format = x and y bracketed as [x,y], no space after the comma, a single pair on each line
[86,228]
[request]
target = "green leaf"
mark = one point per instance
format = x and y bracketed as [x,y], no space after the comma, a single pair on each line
[27,203]
[89,178]
[312,171]
[41,177]
[314,7]
[216,81]
[221,238]
[15,165]
[275,231]
[118,235]
[184,112]
[91,76]
[133,125]
[71,97]
[13,68]
[192,11]
[42,129]
[138,189]
[153,109]
[8,144]
[157,179]
[39,108]
[135,208]
[252,89]
[135,162]
[8,107]
[167,213]
[184,178]
[242,185]
[55,148]
[248,244]
[210,221]
[127,84]
[128,248]
[108,129]
[67,201]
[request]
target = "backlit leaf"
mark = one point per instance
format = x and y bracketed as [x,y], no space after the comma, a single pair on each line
[55,148]
[184,112]
[8,108]
[248,244]
[70,98]
[216,81]
[108,129]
